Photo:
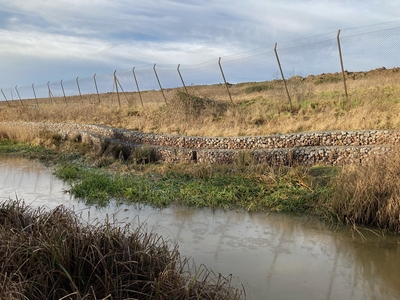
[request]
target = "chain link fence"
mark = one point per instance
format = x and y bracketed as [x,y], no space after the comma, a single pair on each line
[357,49]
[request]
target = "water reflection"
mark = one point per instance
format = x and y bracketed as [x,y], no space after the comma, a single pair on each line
[276,256]
[31,181]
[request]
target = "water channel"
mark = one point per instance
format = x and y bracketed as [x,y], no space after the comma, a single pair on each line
[275,256]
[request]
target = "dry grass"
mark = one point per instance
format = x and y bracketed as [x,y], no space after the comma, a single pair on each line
[54,255]
[17,133]
[318,104]
[370,194]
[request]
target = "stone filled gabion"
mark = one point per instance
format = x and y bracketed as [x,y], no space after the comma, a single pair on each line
[309,148]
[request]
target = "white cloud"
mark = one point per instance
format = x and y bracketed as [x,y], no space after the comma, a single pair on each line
[125,32]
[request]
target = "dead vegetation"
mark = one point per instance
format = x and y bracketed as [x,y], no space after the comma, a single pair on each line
[369,194]
[55,255]
[259,108]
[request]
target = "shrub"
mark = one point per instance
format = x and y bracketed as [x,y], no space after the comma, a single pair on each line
[193,106]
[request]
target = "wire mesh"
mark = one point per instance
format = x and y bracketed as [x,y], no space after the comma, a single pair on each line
[370,50]
[70,87]
[25,92]
[363,48]
[310,57]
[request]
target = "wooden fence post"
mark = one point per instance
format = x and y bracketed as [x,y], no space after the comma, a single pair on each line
[283,77]
[137,85]
[223,77]
[341,64]
[34,93]
[159,83]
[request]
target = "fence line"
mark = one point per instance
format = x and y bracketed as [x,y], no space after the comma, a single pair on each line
[308,56]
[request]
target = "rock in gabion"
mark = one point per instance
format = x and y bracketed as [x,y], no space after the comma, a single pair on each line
[309,148]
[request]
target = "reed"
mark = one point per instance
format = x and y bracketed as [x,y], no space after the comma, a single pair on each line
[369,194]
[55,255]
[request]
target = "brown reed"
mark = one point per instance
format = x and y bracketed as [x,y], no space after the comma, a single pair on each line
[55,255]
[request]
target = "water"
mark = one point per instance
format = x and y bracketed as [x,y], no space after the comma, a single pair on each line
[275,256]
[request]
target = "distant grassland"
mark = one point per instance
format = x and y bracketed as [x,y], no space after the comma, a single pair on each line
[258,108]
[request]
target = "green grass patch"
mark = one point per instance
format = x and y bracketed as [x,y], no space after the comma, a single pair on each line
[258,87]
[45,155]
[216,190]
[8,146]
[14,148]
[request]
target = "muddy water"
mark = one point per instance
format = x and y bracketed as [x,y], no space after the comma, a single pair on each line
[275,256]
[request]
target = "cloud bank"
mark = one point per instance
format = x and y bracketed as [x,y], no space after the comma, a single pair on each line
[47,40]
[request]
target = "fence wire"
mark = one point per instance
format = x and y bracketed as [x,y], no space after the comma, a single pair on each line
[363,49]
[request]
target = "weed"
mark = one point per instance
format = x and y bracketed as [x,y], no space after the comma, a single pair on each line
[244,158]
[323,79]
[69,172]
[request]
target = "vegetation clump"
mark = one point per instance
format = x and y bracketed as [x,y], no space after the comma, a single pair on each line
[369,194]
[258,87]
[192,106]
[246,187]
[54,255]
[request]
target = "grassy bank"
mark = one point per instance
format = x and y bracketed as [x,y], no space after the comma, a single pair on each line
[98,177]
[354,195]
[54,255]
[260,189]
[259,108]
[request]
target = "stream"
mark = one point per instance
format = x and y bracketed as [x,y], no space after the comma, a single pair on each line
[274,256]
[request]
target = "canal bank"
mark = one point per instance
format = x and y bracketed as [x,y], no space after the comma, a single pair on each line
[273,255]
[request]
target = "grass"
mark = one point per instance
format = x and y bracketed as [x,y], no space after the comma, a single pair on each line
[318,104]
[357,195]
[270,189]
[369,194]
[258,87]
[54,255]
[21,149]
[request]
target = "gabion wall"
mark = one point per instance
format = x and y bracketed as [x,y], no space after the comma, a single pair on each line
[330,148]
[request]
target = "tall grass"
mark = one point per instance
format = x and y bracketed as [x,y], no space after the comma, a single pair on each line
[369,194]
[318,103]
[54,255]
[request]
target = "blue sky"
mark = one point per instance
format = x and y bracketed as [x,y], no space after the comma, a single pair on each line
[45,40]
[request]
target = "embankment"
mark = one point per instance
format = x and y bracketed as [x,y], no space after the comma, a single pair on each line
[310,148]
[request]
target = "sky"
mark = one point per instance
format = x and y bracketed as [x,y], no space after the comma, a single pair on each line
[43,40]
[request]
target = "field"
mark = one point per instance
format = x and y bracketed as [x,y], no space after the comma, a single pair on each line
[318,103]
